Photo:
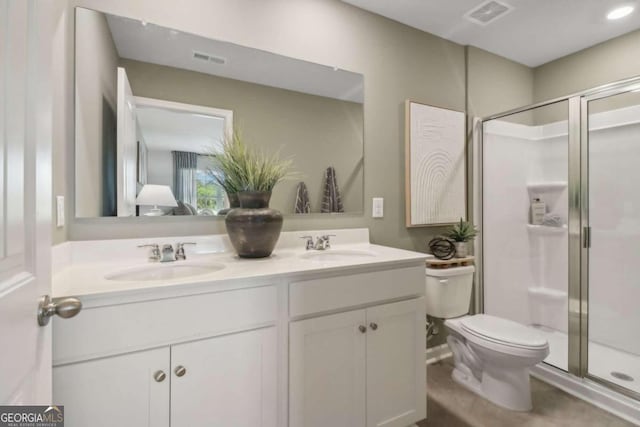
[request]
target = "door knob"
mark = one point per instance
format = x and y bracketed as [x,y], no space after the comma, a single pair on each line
[159,376]
[180,370]
[63,307]
[362,328]
[373,325]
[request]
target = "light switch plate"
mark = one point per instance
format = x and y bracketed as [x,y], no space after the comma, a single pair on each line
[59,211]
[378,207]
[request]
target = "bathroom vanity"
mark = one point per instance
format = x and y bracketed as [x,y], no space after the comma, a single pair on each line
[304,338]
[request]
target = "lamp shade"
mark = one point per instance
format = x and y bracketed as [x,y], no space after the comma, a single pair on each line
[156,195]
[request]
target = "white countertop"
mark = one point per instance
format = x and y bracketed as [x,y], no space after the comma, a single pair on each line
[85,277]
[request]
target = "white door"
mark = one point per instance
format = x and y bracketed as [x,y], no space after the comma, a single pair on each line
[129,390]
[127,157]
[225,381]
[396,372]
[25,199]
[327,371]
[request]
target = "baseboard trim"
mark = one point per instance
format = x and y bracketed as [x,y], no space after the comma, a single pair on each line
[436,354]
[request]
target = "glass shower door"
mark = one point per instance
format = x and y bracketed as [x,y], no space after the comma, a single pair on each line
[614,255]
[524,222]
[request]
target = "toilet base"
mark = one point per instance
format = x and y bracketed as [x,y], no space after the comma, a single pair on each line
[505,386]
[508,389]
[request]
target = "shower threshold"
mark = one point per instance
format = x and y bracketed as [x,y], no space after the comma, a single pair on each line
[605,362]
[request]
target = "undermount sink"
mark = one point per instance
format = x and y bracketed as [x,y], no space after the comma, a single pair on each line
[338,255]
[166,271]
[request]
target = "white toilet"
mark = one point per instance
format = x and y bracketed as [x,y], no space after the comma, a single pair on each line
[492,356]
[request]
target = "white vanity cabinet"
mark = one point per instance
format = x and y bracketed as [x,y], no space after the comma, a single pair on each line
[327,371]
[196,360]
[227,380]
[361,367]
[115,391]
[286,342]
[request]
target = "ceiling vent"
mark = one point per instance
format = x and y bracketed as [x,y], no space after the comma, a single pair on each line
[488,12]
[206,57]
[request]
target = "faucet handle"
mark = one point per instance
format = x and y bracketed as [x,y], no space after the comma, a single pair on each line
[180,253]
[324,241]
[155,251]
[309,242]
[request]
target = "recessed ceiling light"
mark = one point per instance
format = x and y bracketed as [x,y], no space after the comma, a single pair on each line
[620,12]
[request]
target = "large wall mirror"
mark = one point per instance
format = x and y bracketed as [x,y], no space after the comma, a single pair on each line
[153,106]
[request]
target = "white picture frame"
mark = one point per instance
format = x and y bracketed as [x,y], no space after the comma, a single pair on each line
[435,165]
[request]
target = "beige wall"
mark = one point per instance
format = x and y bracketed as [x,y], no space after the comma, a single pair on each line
[496,84]
[607,62]
[398,63]
[314,131]
[96,81]
[604,63]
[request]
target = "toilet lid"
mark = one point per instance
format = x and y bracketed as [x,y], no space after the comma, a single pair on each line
[503,331]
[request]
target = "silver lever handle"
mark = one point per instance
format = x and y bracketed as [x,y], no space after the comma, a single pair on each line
[63,307]
[309,242]
[155,251]
[180,253]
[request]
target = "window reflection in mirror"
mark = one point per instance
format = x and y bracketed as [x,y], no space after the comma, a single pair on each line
[153,105]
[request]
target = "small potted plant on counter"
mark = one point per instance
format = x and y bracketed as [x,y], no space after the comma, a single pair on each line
[462,233]
[253,228]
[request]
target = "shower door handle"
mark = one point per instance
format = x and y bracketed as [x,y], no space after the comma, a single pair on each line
[586,239]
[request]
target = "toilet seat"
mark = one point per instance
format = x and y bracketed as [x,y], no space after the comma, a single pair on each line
[503,332]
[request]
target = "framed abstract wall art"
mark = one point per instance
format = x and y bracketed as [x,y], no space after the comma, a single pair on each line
[435,165]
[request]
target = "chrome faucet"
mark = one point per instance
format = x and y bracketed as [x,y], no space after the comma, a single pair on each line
[167,254]
[154,254]
[322,242]
[180,253]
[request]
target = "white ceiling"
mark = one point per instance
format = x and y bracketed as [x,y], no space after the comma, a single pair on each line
[168,130]
[533,33]
[163,46]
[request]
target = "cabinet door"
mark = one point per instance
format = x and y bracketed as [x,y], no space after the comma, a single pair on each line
[396,373]
[229,380]
[327,371]
[115,391]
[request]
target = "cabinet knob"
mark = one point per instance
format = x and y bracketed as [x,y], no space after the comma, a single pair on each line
[159,376]
[373,325]
[362,328]
[180,370]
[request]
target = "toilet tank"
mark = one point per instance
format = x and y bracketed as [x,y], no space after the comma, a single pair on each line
[448,291]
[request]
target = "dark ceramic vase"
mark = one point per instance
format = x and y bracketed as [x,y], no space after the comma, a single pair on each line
[253,228]
[234,202]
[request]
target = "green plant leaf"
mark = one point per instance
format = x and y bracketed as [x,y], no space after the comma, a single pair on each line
[243,168]
[462,231]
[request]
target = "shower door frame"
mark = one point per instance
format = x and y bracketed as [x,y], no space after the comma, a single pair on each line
[578,219]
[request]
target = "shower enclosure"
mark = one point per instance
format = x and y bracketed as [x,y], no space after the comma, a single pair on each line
[574,273]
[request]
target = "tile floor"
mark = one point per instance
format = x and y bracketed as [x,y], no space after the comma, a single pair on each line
[451,405]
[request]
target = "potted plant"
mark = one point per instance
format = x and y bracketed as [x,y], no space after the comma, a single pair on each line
[253,228]
[461,233]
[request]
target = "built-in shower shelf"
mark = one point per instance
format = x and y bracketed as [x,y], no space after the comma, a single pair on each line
[540,187]
[548,292]
[545,230]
